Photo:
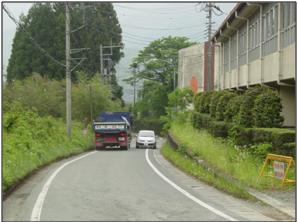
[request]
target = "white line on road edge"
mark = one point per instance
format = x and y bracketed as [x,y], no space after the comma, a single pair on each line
[203,204]
[36,212]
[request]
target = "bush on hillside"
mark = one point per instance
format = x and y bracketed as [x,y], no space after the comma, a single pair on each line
[214,101]
[205,102]
[31,141]
[267,109]
[223,104]
[219,128]
[47,97]
[247,105]
[232,109]
[201,120]
[197,101]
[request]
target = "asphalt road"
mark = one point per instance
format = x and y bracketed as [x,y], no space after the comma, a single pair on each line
[137,184]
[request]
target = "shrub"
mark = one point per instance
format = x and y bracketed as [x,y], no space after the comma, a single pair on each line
[289,149]
[222,104]
[261,150]
[205,102]
[31,141]
[197,101]
[214,101]
[267,109]
[232,109]
[47,97]
[219,128]
[240,135]
[247,105]
[201,120]
[281,140]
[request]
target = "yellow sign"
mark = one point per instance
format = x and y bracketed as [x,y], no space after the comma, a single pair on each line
[279,167]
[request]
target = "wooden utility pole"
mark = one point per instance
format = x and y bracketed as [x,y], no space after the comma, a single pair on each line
[68,73]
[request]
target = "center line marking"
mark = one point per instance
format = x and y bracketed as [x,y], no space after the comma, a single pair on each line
[203,204]
[36,212]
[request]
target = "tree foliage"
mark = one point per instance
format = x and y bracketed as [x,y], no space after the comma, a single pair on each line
[47,97]
[159,61]
[152,100]
[45,22]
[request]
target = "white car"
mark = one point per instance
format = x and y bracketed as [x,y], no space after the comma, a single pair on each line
[146,139]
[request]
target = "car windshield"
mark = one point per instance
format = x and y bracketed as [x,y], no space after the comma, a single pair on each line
[146,134]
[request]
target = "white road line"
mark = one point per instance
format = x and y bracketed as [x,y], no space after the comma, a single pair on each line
[36,212]
[203,204]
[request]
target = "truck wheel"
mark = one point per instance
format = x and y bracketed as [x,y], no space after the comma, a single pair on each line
[137,146]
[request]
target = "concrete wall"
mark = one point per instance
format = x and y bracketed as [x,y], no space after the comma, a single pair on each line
[288,61]
[191,64]
[288,100]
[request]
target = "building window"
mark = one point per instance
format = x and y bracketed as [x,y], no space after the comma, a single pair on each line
[226,56]
[254,38]
[288,23]
[270,22]
[242,45]
[233,52]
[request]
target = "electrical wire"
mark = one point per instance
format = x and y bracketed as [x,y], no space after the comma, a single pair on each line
[154,12]
[31,38]
[151,28]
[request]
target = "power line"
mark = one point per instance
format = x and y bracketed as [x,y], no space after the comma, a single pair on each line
[152,28]
[170,11]
[31,38]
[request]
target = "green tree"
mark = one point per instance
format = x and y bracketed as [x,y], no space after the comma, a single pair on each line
[158,61]
[47,97]
[153,98]
[45,22]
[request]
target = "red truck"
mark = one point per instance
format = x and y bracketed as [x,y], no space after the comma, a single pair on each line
[113,130]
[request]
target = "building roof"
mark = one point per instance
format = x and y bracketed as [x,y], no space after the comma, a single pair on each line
[242,9]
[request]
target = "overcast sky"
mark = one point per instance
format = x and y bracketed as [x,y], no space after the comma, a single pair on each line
[141,23]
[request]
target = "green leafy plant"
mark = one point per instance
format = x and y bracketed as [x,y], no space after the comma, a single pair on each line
[222,104]
[267,109]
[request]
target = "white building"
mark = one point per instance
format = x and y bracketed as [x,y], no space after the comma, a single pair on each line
[255,44]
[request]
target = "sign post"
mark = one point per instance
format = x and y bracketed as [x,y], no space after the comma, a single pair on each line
[281,166]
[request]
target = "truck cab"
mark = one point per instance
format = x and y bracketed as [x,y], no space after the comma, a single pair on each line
[112,130]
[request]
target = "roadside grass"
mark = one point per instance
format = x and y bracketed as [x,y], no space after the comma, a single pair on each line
[31,141]
[223,156]
[191,167]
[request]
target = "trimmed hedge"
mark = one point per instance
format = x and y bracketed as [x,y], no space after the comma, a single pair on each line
[201,120]
[219,129]
[214,101]
[267,109]
[232,110]
[223,104]
[281,141]
[247,105]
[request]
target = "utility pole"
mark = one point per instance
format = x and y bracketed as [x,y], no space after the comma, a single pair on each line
[91,103]
[134,86]
[68,74]
[209,54]
[102,55]
[210,8]
[101,60]
[174,78]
